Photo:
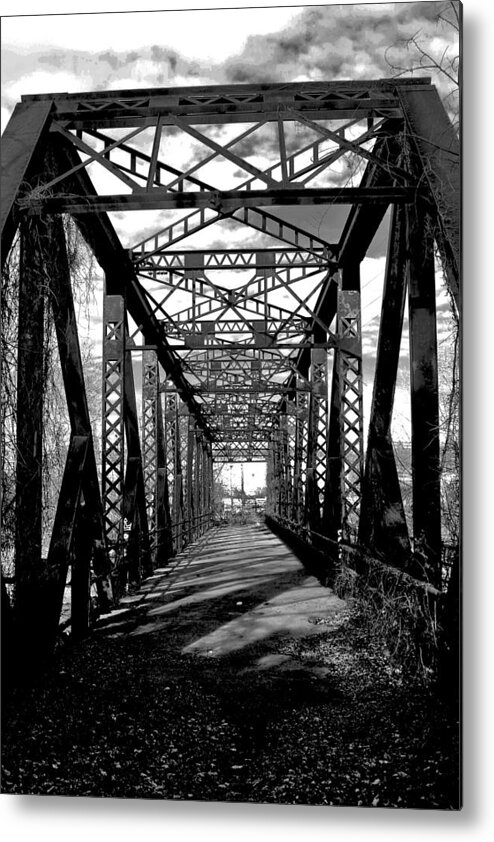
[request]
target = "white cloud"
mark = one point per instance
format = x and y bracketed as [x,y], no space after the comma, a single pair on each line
[5,117]
[44,82]
[202,35]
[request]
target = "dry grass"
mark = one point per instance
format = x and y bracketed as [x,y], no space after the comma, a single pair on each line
[398,614]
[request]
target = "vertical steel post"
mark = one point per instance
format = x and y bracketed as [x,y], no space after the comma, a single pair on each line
[81,572]
[435,156]
[182,421]
[300,458]
[277,478]
[351,408]
[113,433]
[345,438]
[291,466]
[164,542]
[135,514]
[383,527]
[317,439]
[174,436]
[150,395]
[208,483]
[281,465]
[196,496]
[296,464]
[270,489]
[424,393]
[30,396]
[206,486]
[170,424]
[333,512]
[189,494]
[284,466]
[205,512]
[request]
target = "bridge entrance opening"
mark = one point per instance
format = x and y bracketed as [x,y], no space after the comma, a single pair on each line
[232,329]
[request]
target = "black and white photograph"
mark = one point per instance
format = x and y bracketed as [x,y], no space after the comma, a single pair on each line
[231,405]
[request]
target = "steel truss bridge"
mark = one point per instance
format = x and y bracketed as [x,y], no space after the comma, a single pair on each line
[249,353]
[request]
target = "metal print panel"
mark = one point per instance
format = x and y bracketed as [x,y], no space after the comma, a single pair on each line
[231,308]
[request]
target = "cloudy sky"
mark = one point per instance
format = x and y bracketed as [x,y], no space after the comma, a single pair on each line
[71,52]
[129,49]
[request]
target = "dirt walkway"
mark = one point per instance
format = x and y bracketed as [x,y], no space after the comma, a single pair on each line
[231,676]
[239,592]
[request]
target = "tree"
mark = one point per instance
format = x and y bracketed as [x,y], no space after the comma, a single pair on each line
[56,427]
[438,57]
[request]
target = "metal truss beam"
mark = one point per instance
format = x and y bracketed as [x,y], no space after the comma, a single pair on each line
[424,395]
[294,344]
[259,220]
[383,525]
[351,411]
[128,170]
[228,259]
[134,502]
[317,441]
[437,155]
[78,532]
[236,103]
[150,402]
[100,235]
[361,226]
[223,202]
[173,447]
[21,162]
[249,305]
[164,535]
[29,573]
[113,432]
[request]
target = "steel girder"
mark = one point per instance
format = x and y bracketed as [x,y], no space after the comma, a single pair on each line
[229,103]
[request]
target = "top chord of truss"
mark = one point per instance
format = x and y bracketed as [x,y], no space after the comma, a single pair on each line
[230,103]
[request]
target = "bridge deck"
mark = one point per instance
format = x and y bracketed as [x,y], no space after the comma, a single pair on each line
[240,591]
[197,688]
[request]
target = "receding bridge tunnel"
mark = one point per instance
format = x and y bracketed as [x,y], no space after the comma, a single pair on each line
[230,500]
[256,324]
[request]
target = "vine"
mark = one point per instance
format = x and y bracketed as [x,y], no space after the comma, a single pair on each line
[56,427]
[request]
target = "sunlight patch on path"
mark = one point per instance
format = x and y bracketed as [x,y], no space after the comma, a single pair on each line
[290,613]
[241,592]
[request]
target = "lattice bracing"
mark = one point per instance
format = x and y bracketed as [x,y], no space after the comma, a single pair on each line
[150,398]
[113,440]
[300,455]
[349,326]
[170,431]
[317,437]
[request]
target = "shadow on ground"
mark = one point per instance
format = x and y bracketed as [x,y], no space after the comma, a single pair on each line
[233,676]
